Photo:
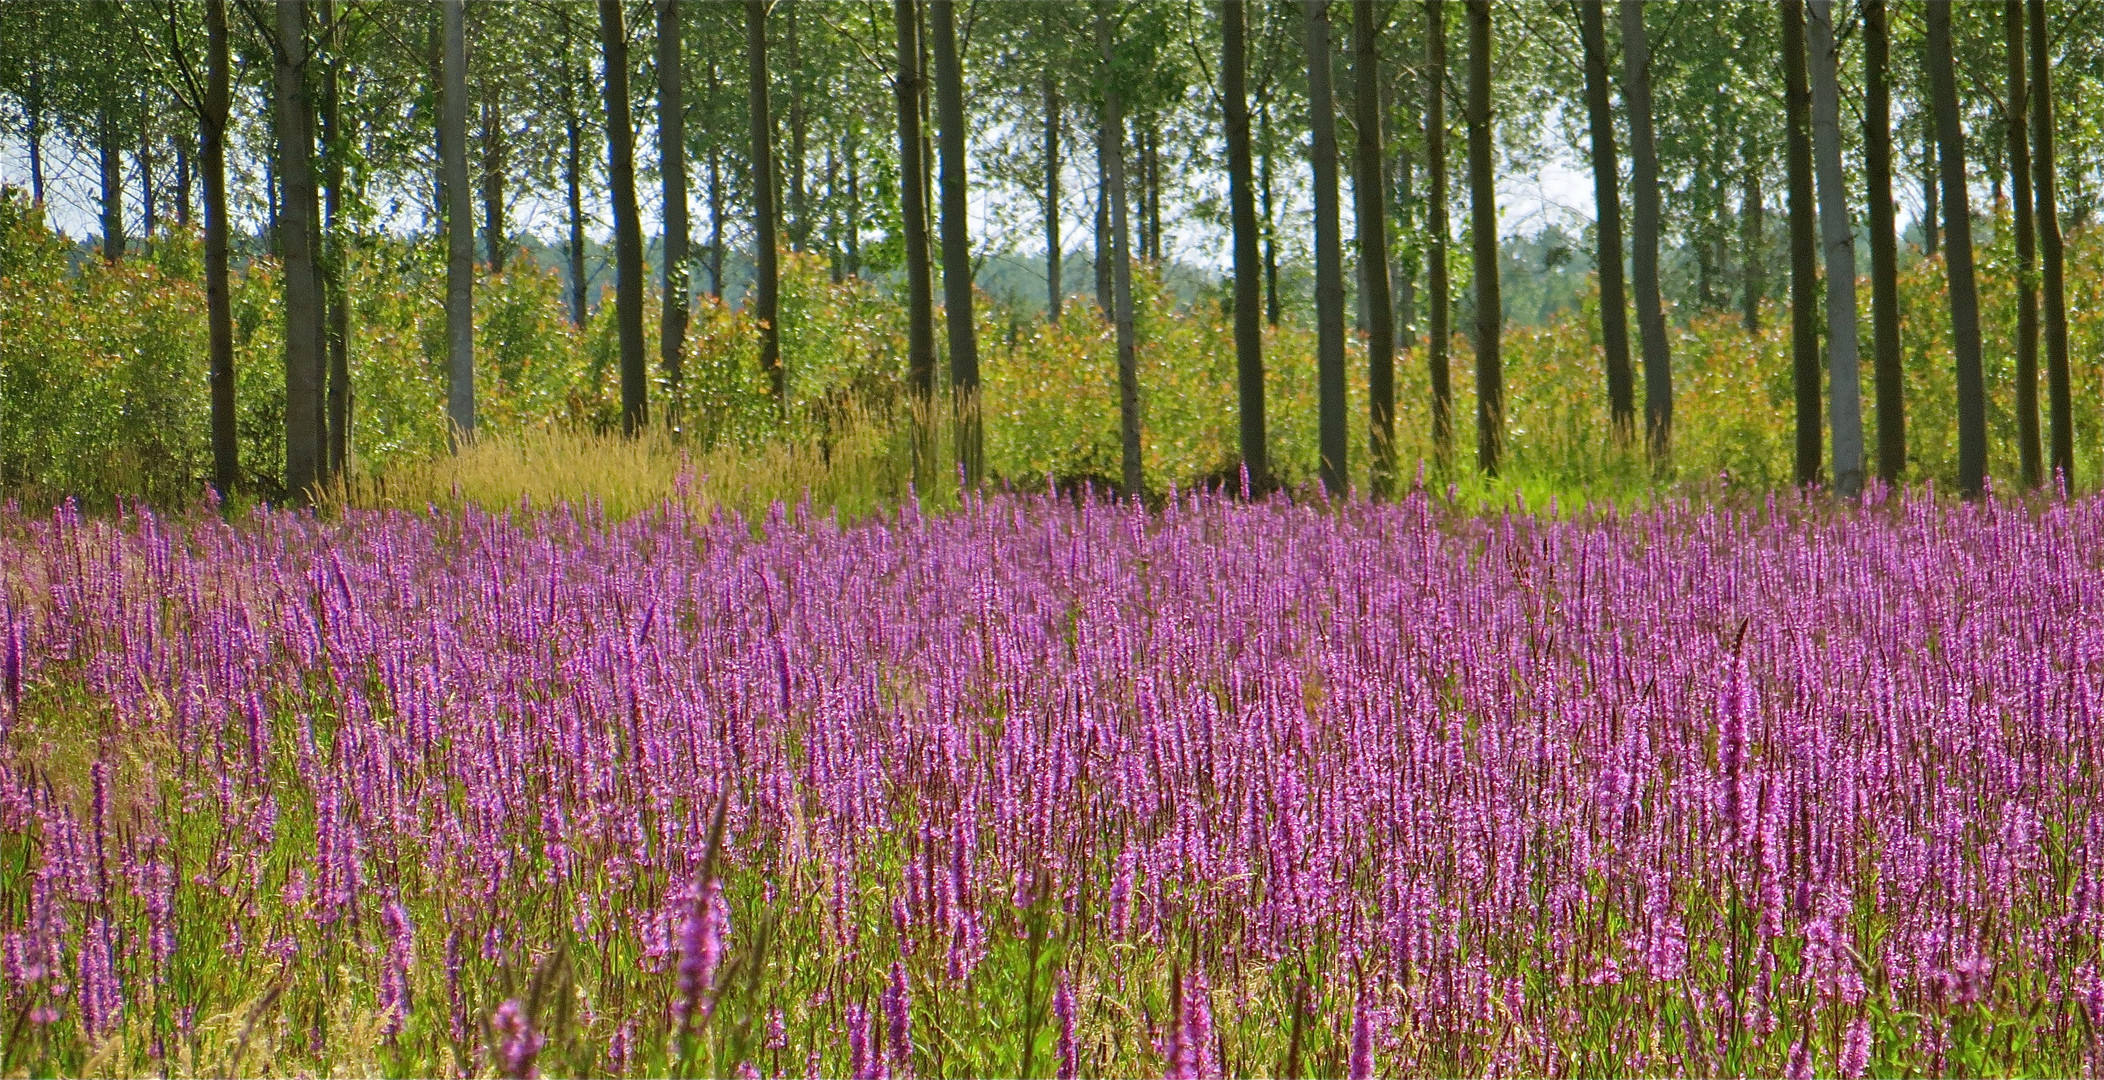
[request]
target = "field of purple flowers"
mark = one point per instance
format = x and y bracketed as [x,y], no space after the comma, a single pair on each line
[1037,788]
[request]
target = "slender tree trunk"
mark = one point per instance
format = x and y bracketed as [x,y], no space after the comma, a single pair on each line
[494,228]
[1242,212]
[1329,255]
[1404,263]
[112,188]
[304,464]
[1272,309]
[1052,106]
[715,199]
[1753,244]
[573,189]
[1643,259]
[1931,177]
[1483,227]
[2020,206]
[956,241]
[1607,203]
[1121,261]
[143,153]
[767,278]
[1369,191]
[1154,192]
[460,228]
[219,308]
[35,107]
[1844,407]
[1102,222]
[920,299]
[831,201]
[853,225]
[628,230]
[1884,245]
[334,257]
[1804,245]
[799,192]
[1958,255]
[672,171]
[1439,333]
[2046,217]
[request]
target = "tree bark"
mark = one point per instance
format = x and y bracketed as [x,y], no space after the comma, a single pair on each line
[766,274]
[1804,245]
[1483,227]
[1958,255]
[112,163]
[1272,306]
[920,299]
[494,228]
[573,188]
[1370,216]
[1884,244]
[1052,253]
[956,241]
[304,464]
[853,225]
[1329,255]
[628,230]
[2046,217]
[219,308]
[460,228]
[672,171]
[1439,333]
[715,198]
[1242,213]
[799,192]
[334,293]
[1121,262]
[1930,176]
[34,105]
[1844,405]
[2020,207]
[1607,203]
[1753,244]
[1643,259]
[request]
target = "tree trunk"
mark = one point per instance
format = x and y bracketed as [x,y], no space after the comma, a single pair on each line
[1958,255]
[1404,262]
[1370,215]
[1439,332]
[1804,272]
[799,192]
[1753,244]
[1607,203]
[1242,213]
[1884,245]
[715,199]
[1153,165]
[142,152]
[1930,178]
[1272,308]
[956,241]
[853,226]
[2046,216]
[34,105]
[2020,207]
[1102,222]
[1844,407]
[460,228]
[672,170]
[1329,255]
[1052,252]
[1643,258]
[338,393]
[920,299]
[304,465]
[1483,227]
[1121,262]
[573,189]
[766,276]
[628,230]
[112,188]
[219,308]
[494,228]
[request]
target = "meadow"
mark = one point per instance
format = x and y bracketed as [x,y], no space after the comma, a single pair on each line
[1046,787]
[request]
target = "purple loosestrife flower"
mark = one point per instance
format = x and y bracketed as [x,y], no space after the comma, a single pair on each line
[1855,1050]
[401,960]
[514,1043]
[101,1000]
[1362,1041]
[1063,1010]
[898,1014]
[700,953]
[1198,1028]
[862,1064]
